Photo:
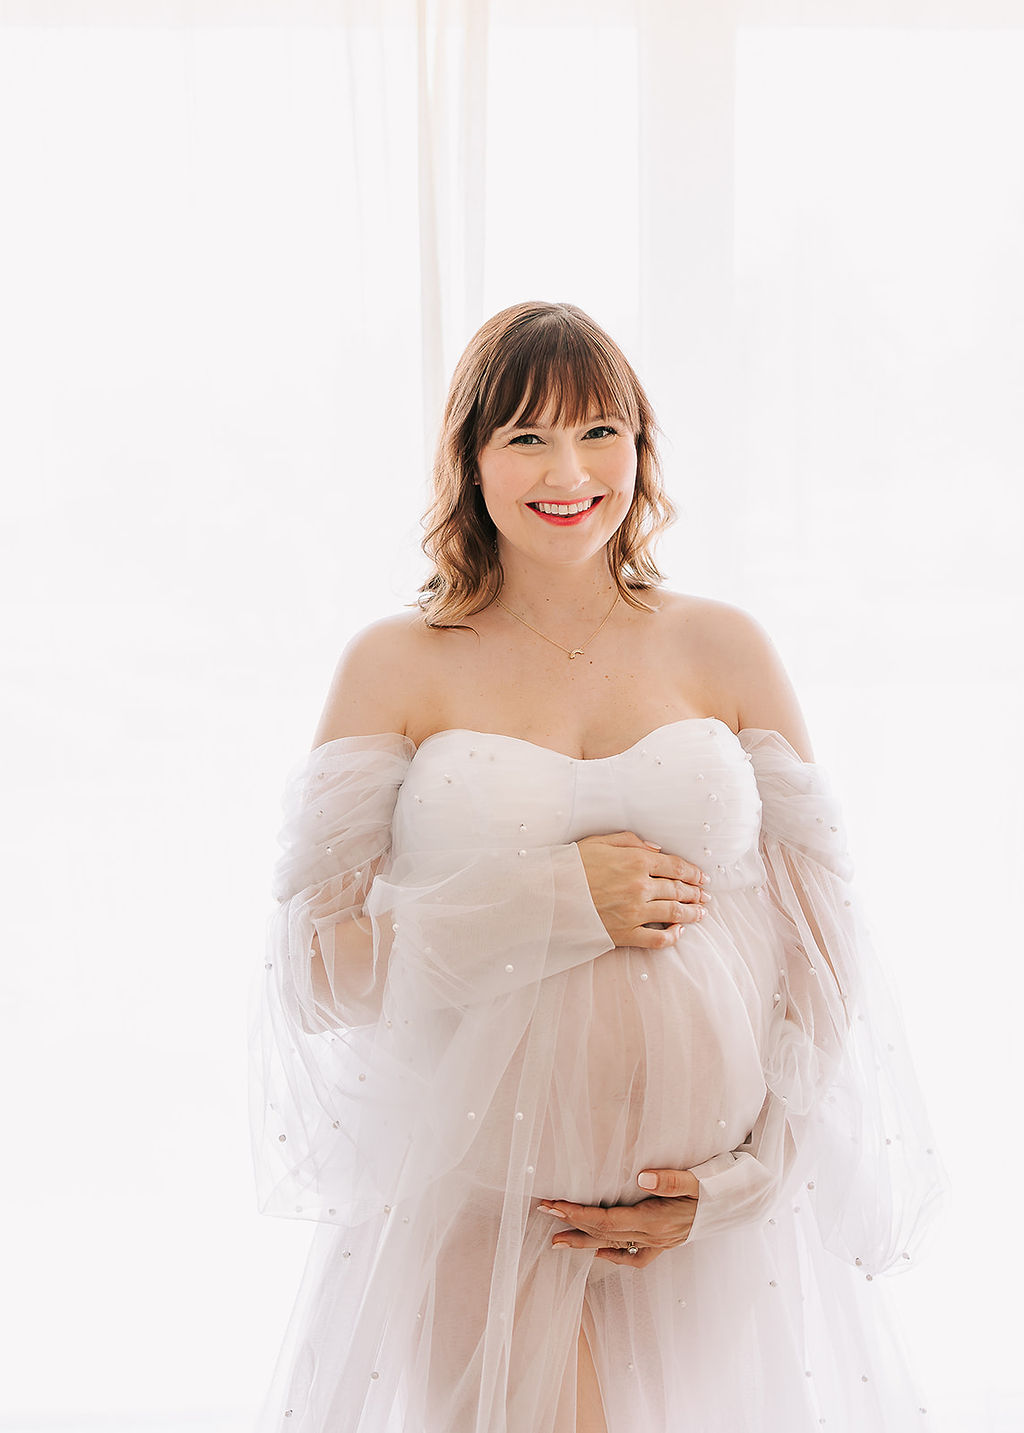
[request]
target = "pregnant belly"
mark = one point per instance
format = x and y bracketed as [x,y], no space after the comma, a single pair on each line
[656,1066]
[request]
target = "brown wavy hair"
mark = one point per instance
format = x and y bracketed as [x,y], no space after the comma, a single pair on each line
[533,354]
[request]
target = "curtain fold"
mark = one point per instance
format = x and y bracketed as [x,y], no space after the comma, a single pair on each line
[451,106]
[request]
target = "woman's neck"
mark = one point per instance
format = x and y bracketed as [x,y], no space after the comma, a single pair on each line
[581,590]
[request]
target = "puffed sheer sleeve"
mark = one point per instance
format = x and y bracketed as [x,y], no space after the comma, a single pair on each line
[427,974]
[844,1122]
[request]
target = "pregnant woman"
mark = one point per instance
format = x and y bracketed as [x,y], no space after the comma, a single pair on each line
[570,1033]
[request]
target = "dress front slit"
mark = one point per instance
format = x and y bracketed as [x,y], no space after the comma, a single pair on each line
[590,1413]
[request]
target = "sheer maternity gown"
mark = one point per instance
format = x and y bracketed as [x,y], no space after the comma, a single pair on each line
[502,1052]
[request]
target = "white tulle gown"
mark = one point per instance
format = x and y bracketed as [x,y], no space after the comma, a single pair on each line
[504,1052]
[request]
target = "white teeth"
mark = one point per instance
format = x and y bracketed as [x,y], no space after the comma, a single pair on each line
[564,509]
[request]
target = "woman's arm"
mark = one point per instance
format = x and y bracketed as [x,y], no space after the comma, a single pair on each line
[752,673]
[368,694]
[374,683]
[766,700]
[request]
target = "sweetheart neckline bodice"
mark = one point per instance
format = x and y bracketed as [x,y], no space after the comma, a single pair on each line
[563,756]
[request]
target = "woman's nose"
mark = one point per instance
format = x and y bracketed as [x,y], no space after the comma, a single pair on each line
[566,469]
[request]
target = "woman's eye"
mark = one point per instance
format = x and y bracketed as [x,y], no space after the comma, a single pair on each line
[601,430]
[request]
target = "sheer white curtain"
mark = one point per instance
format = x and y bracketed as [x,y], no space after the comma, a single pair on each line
[243,245]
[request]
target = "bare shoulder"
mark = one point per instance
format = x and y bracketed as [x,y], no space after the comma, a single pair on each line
[375,679]
[737,650]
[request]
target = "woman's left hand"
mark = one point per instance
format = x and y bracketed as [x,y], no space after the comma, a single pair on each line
[654,1225]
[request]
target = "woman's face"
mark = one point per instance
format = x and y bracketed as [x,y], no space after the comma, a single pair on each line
[531,478]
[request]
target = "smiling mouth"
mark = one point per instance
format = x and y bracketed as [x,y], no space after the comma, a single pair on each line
[565,510]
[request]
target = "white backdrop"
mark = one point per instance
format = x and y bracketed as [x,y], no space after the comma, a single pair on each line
[242,246]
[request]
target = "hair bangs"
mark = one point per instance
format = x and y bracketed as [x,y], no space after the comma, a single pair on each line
[556,374]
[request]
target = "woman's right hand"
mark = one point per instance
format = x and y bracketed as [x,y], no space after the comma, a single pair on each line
[632,884]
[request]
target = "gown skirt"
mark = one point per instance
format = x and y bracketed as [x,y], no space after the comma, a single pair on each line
[484,1048]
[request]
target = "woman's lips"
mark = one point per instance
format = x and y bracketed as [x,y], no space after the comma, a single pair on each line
[572,520]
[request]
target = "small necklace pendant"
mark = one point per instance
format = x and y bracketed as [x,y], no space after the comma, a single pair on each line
[578,653]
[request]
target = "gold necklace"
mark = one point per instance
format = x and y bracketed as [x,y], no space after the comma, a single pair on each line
[576,651]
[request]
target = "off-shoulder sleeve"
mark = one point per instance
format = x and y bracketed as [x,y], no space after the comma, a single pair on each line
[432,963]
[844,1121]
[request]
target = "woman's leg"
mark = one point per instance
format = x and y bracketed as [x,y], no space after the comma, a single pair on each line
[589,1405]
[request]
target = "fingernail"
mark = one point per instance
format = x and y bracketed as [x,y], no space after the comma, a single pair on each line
[546,1209]
[647,1181]
[652,845]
